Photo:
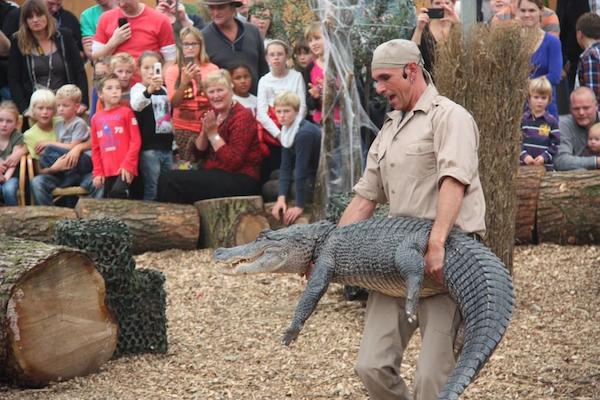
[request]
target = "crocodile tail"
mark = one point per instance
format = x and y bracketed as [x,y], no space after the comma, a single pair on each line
[482,288]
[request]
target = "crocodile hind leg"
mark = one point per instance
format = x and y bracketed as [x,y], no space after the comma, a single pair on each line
[315,289]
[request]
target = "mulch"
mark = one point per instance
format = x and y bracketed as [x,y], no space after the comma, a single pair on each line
[224,338]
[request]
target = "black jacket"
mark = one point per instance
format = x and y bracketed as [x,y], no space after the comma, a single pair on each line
[568,11]
[20,76]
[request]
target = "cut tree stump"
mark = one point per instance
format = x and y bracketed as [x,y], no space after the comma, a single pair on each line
[305,218]
[32,222]
[154,226]
[527,186]
[568,208]
[54,324]
[231,221]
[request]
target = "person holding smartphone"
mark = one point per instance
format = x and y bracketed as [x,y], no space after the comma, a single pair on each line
[183,81]
[433,25]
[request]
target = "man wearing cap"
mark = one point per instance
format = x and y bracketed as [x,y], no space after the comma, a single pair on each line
[424,164]
[229,41]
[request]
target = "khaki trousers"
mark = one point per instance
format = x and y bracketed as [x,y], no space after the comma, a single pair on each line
[386,336]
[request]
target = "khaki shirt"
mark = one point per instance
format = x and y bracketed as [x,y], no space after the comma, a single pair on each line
[411,155]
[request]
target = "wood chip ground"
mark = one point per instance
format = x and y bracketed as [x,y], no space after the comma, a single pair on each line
[224,337]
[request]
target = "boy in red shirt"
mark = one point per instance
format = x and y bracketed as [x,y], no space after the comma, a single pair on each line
[116,141]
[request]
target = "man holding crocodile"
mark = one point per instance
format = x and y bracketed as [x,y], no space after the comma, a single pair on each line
[424,163]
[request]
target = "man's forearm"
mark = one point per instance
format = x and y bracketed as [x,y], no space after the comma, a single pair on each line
[103,51]
[450,198]
[359,209]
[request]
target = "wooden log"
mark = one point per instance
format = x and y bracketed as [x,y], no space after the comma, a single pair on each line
[54,324]
[527,186]
[231,221]
[305,218]
[568,208]
[32,222]
[154,226]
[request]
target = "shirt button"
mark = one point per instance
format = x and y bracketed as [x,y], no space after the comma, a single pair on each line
[392,165]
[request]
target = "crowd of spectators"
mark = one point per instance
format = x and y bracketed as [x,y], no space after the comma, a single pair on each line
[185,108]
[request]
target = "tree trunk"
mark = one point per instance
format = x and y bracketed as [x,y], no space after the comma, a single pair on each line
[568,208]
[53,321]
[33,223]
[528,190]
[154,226]
[231,221]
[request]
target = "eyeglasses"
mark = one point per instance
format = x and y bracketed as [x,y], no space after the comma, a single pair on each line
[190,45]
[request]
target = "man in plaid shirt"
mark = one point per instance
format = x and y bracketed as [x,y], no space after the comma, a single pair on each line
[588,37]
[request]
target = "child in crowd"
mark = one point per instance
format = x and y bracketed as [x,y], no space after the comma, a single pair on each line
[11,146]
[302,55]
[184,85]
[116,141]
[123,66]
[541,136]
[279,80]
[63,162]
[593,142]
[42,106]
[101,69]
[152,109]
[242,82]
[301,141]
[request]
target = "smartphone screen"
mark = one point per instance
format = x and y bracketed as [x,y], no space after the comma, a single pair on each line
[188,60]
[122,21]
[157,69]
[435,13]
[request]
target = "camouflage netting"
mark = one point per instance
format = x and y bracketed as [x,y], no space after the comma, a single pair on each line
[136,297]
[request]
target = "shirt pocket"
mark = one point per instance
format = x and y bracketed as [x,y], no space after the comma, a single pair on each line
[420,160]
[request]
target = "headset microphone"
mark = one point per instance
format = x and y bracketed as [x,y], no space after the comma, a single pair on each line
[404,75]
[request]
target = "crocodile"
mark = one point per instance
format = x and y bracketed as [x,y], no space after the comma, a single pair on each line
[387,255]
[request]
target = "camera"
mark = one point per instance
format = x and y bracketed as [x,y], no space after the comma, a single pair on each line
[435,13]
[157,69]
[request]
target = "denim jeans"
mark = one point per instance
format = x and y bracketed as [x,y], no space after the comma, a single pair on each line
[153,163]
[88,184]
[9,191]
[42,187]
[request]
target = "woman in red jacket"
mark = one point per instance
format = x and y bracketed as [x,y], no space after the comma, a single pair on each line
[228,147]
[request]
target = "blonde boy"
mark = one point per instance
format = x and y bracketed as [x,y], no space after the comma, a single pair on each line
[540,134]
[123,66]
[42,106]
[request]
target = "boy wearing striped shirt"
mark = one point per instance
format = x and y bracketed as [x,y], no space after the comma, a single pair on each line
[540,134]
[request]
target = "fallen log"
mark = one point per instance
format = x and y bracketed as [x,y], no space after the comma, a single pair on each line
[231,221]
[527,187]
[154,226]
[32,222]
[568,208]
[54,324]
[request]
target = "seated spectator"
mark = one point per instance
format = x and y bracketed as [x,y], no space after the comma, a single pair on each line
[548,19]
[152,109]
[11,145]
[260,16]
[227,144]
[593,141]
[588,37]
[279,80]
[546,58]
[229,41]
[302,56]
[116,141]
[43,109]
[89,22]
[541,136]
[430,31]
[63,162]
[573,132]
[242,81]
[43,57]
[134,28]
[301,142]
[184,86]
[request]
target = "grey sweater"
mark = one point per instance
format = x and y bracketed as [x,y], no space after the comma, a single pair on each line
[573,141]
[248,48]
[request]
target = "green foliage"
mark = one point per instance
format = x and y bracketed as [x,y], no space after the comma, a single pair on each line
[289,19]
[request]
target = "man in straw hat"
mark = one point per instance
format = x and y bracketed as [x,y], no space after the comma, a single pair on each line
[230,41]
[424,164]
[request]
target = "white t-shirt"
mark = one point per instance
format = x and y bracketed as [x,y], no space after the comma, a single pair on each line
[247,102]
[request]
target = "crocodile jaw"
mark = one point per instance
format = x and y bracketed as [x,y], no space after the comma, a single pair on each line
[267,260]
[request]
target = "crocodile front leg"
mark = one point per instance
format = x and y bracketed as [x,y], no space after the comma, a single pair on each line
[315,289]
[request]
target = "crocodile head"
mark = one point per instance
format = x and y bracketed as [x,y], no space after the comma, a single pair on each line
[288,250]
